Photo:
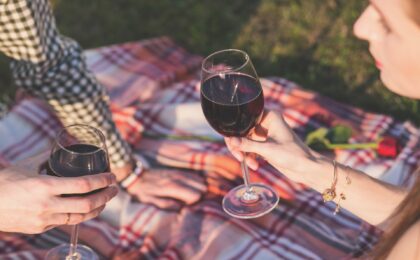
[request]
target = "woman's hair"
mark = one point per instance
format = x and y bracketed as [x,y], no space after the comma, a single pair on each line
[407,214]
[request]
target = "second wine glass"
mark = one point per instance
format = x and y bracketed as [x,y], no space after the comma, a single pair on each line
[78,150]
[233,103]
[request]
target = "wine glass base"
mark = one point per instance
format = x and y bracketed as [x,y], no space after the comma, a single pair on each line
[239,204]
[62,253]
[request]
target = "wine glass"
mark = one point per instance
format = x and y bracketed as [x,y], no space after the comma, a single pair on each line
[233,103]
[78,150]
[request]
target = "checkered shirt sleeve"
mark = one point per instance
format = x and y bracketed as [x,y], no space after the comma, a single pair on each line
[52,67]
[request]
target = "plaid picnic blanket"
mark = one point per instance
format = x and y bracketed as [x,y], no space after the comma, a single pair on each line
[154,88]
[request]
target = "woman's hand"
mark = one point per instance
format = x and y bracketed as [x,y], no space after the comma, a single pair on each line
[31,203]
[276,142]
[168,189]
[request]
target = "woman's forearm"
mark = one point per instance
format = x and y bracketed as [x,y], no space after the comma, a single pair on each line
[370,199]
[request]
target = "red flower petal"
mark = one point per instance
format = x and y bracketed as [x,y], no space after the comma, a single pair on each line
[388,147]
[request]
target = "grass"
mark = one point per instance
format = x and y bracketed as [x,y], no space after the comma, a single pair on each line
[307,41]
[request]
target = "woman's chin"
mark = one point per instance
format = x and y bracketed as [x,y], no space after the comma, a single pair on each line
[400,88]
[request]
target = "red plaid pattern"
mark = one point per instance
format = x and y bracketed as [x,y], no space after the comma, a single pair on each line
[154,87]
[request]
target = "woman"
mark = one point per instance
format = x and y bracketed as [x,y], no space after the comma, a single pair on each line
[392,28]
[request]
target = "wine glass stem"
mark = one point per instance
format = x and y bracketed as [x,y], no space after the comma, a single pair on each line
[73,243]
[248,195]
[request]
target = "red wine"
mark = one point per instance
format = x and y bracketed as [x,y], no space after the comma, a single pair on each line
[232,103]
[78,160]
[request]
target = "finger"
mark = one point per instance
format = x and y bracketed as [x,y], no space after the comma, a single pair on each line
[163,203]
[249,146]
[259,133]
[85,203]
[272,124]
[271,117]
[192,180]
[79,218]
[80,185]
[74,218]
[178,190]
[252,163]
[195,186]
[278,126]
[237,154]
[252,147]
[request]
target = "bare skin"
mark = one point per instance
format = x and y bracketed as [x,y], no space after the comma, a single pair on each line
[181,187]
[32,203]
[280,147]
[393,38]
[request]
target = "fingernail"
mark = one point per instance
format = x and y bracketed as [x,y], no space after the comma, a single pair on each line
[235,141]
[237,155]
[253,166]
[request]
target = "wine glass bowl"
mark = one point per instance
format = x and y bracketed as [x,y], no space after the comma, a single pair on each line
[232,101]
[78,150]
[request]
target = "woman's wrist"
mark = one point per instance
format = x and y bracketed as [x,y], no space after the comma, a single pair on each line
[319,173]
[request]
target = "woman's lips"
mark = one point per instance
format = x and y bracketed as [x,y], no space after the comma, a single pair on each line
[378,64]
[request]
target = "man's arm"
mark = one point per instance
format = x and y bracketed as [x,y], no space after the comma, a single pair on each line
[52,67]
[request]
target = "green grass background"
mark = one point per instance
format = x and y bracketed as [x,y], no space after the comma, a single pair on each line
[307,41]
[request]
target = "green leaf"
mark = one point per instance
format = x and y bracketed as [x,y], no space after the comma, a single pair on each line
[318,139]
[339,134]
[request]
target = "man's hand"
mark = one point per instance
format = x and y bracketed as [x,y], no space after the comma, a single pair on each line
[168,189]
[31,203]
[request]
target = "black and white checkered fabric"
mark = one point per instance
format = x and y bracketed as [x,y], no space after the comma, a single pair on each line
[52,67]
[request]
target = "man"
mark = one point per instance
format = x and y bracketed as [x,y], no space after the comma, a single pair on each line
[52,67]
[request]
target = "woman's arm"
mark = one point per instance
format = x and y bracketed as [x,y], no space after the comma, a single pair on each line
[366,197]
[275,141]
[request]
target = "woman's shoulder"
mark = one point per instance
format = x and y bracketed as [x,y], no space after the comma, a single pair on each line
[408,246]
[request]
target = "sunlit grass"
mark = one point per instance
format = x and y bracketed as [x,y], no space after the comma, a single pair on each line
[308,41]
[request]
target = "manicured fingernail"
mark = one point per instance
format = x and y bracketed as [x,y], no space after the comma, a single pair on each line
[252,165]
[237,155]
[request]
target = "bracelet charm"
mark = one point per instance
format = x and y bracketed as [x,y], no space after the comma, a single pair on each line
[330,194]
